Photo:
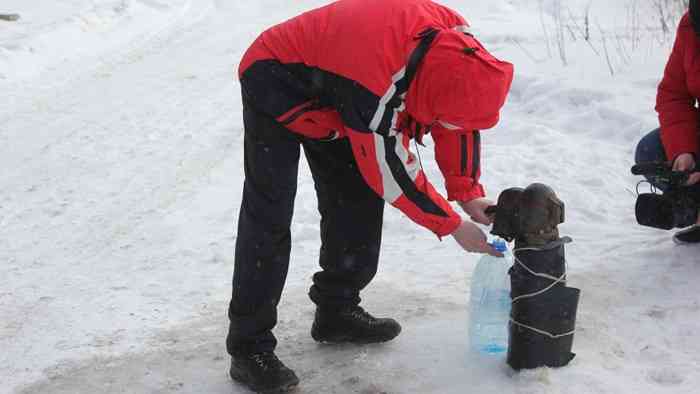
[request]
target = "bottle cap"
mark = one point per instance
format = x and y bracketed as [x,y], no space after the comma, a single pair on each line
[499,245]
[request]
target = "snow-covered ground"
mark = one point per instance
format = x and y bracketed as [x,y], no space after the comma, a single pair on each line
[121,157]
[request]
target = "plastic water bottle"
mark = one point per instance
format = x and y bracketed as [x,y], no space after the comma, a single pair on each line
[490,302]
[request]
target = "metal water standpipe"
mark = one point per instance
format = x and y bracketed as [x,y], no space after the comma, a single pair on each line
[543,313]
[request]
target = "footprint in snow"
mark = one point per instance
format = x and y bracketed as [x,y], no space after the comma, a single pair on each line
[666,377]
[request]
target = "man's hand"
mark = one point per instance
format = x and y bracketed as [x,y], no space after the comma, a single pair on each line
[476,209]
[470,237]
[686,162]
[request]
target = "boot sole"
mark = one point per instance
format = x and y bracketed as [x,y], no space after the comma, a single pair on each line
[364,341]
[680,242]
[338,339]
[243,379]
[689,230]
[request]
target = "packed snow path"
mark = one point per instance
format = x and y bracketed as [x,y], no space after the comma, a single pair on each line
[121,156]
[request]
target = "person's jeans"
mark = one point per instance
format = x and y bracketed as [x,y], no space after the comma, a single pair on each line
[651,149]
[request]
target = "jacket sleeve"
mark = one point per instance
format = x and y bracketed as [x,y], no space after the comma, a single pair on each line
[393,172]
[458,154]
[674,103]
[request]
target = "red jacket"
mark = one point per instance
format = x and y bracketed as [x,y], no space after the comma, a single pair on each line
[381,73]
[678,93]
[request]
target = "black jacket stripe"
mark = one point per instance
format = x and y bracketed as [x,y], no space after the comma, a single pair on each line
[476,154]
[464,155]
[402,85]
[409,188]
[276,88]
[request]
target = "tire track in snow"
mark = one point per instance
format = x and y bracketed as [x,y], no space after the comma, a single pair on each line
[84,198]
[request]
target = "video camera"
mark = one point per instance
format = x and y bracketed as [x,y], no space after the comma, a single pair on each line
[677,207]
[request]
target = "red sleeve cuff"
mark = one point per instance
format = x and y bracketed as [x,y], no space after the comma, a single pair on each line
[677,141]
[463,189]
[449,226]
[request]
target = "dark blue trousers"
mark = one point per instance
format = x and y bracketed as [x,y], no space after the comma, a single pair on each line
[649,149]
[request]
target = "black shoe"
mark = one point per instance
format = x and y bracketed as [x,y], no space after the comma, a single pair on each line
[263,373]
[353,325]
[691,235]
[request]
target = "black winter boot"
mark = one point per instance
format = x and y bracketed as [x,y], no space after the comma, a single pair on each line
[352,324]
[691,235]
[263,373]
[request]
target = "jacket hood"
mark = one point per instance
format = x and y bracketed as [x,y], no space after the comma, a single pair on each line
[459,82]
